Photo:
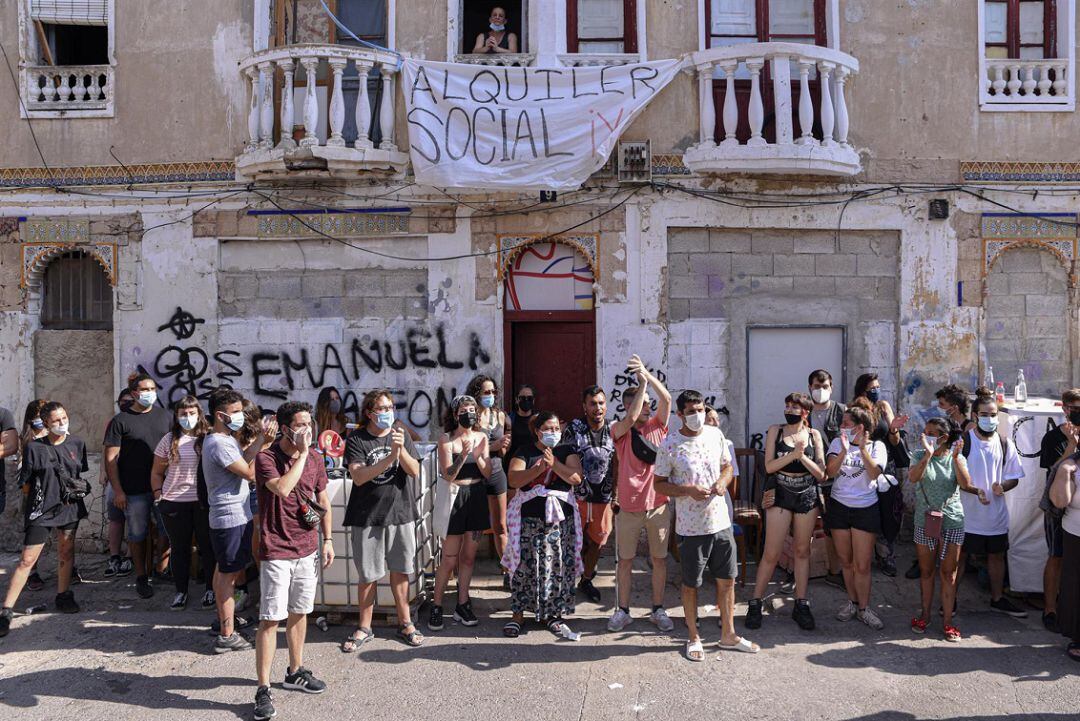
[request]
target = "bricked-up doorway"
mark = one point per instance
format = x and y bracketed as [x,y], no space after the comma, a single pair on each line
[549,325]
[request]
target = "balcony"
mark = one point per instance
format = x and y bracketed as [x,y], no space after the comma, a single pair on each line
[1026,84]
[504,60]
[68,90]
[338,123]
[745,129]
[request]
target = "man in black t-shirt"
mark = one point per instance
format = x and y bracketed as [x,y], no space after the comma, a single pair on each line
[381,512]
[1058,444]
[9,446]
[130,440]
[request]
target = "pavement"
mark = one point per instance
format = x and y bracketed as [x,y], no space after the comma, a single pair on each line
[127,658]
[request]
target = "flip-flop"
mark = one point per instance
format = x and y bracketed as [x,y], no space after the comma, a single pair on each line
[743,646]
[695,651]
[357,640]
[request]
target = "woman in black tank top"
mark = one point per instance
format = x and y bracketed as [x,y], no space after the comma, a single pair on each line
[491,421]
[794,462]
[497,39]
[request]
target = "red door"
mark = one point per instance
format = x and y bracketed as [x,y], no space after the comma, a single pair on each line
[553,351]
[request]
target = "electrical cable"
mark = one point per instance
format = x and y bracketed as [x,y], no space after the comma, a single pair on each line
[26,114]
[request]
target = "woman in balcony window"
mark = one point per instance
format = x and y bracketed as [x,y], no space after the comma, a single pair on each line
[497,39]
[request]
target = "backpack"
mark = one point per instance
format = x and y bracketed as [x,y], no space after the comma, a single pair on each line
[967,446]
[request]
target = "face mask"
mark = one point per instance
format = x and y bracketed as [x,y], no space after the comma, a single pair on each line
[935,441]
[847,433]
[466,419]
[792,418]
[235,421]
[1074,418]
[60,429]
[335,407]
[147,398]
[549,438]
[37,424]
[385,419]
[694,421]
[188,422]
[292,436]
[821,395]
[487,401]
[525,404]
[497,28]
[987,425]
[873,395]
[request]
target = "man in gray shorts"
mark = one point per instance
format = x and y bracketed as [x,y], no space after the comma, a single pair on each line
[381,513]
[694,468]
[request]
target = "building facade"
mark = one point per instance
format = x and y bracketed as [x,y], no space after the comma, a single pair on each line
[210,192]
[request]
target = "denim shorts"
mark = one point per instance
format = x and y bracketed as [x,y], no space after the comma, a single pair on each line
[114,513]
[137,516]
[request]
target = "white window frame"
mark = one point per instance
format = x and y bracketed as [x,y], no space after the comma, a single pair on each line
[640,56]
[29,52]
[1066,23]
[832,24]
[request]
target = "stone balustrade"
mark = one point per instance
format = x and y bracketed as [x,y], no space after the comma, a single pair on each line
[825,151]
[68,87]
[1010,81]
[586,60]
[505,60]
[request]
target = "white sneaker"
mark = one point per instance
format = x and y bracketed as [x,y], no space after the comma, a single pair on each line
[661,620]
[619,620]
[848,611]
[240,598]
[870,619]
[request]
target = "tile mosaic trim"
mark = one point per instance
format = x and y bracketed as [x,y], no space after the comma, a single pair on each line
[1008,172]
[510,246]
[1021,226]
[37,256]
[202,171]
[58,230]
[337,224]
[669,164]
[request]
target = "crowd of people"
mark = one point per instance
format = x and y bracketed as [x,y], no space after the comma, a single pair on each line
[248,489]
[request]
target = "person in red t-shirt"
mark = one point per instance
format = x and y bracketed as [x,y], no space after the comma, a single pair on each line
[289,475]
[637,436]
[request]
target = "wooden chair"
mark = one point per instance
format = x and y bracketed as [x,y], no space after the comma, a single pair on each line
[746,492]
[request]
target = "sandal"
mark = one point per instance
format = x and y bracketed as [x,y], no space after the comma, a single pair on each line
[358,638]
[918,625]
[695,651]
[413,638]
[512,629]
[952,634]
[1073,651]
[744,645]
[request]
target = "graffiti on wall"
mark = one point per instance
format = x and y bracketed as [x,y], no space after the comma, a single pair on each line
[625,380]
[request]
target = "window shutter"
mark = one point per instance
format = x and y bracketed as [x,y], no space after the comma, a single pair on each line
[70,12]
[600,19]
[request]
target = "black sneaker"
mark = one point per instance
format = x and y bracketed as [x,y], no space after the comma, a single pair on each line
[143,587]
[591,592]
[1004,605]
[34,582]
[753,614]
[802,616]
[6,615]
[912,573]
[179,602]
[435,618]
[887,566]
[127,566]
[112,568]
[208,600]
[65,602]
[836,580]
[1050,622]
[464,615]
[264,704]
[303,680]
[76,577]
[788,584]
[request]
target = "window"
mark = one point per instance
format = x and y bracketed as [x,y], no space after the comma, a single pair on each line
[76,294]
[1022,29]
[601,26]
[762,21]
[71,32]
[474,21]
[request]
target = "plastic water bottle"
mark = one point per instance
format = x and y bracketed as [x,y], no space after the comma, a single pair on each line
[31,610]
[1020,392]
[989,376]
[999,392]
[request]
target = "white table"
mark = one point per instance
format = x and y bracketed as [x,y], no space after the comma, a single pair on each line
[1026,425]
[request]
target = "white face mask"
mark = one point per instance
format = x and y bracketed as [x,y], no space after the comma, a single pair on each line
[987,424]
[550,438]
[60,429]
[147,398]
[848,433]
[497,28]
[821,395]
[188,422]
[694,421]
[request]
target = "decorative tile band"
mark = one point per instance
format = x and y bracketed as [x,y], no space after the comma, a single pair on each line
[346,224]
[1022,226]
[203,171]
[44,230]
[1005,172]
[37,256]
[669,164]
[511,245]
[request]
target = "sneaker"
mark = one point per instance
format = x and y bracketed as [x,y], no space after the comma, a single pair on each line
[661,620]
[912,573]
[236,642]
[264,704]
[753,614]
[143,587]
[464,615]
[1050,622]
[619,620]
[240,599]
[239,624]
[127,567]
[848,611]
[887,566]
[112,568]
[788,584]
[870,619]
[65,602]
[591,592]
[1004,605]
[303,680]
[435,618]
[34,582]
[209,600]
[802,615]
[836,580]
[179,602]
[6,615]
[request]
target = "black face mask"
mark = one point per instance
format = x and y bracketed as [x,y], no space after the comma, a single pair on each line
[467,419]
[1074,418]
[525,404]
[792,418]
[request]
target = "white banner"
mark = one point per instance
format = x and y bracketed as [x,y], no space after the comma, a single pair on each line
[479,126]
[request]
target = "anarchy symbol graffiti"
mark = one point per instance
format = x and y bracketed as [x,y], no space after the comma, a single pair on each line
[182,324]
[1015,437]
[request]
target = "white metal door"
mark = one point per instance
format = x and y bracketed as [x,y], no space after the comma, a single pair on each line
[779,361]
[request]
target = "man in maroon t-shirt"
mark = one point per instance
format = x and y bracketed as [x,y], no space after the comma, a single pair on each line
[288,476]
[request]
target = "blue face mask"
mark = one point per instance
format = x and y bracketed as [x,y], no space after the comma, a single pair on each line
[147,398]
[988,424]
[235,421]
[37,424]
[549,438]
[487,401]
[873,395]
[385,419]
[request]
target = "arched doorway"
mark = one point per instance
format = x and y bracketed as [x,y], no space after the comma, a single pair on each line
[549,322]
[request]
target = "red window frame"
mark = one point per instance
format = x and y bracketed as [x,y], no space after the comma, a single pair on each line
[629,36]
[763,35]
[1012,42]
